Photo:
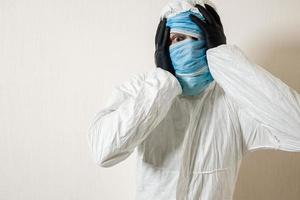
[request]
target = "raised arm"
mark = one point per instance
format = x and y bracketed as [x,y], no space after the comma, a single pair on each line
[268,109]
[134,110]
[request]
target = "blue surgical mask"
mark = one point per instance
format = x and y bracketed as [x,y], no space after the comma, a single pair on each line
[189,56]
[190,64]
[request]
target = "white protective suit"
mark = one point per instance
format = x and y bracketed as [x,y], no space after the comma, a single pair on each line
[190,148]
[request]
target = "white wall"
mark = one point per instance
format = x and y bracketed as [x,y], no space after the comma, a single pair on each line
[59,61]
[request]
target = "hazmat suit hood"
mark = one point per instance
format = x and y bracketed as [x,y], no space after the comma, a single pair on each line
[174,7]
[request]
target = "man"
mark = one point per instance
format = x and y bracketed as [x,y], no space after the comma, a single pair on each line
[195,116]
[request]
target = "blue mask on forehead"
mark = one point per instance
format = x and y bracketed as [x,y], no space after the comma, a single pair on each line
[182,23]
[189,56]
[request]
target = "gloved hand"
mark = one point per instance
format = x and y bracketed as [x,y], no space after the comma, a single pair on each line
[212,26]
[162,54]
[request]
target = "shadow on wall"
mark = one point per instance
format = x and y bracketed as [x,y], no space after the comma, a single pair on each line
[269,175]
[281,57]
[273,175]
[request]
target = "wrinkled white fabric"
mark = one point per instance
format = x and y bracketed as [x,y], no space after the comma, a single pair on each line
[190,148]
[176,6]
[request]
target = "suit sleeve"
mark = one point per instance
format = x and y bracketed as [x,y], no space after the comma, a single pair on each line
[268,109]
[133,111]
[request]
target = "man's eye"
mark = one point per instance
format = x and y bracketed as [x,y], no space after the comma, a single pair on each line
[178,39]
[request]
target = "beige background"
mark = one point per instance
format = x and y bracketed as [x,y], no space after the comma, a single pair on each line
[59,61]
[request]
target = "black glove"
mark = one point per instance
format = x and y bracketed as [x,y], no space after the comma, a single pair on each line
[212,26]
[162,54]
